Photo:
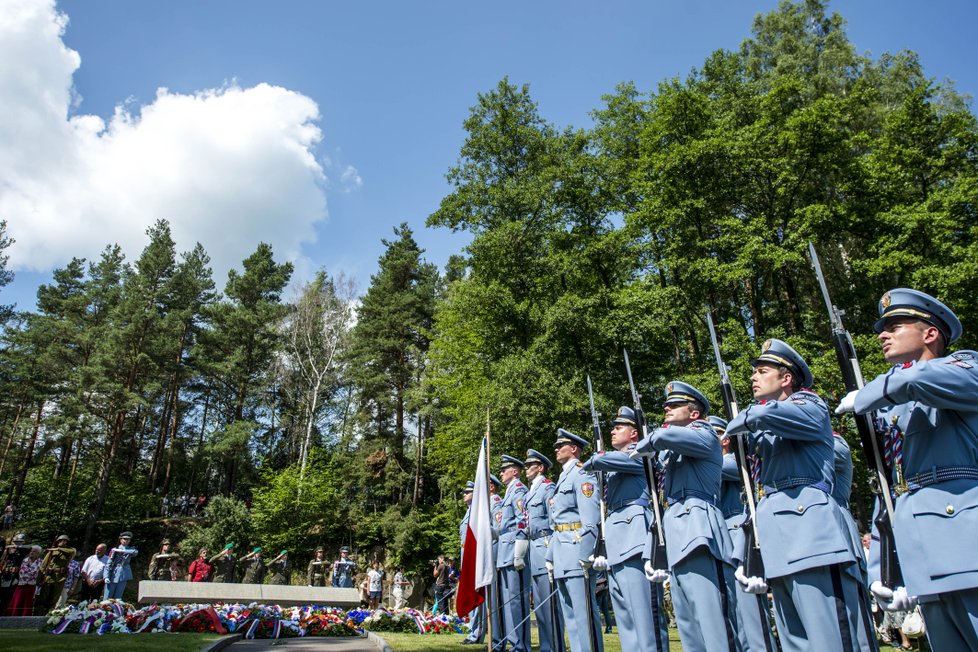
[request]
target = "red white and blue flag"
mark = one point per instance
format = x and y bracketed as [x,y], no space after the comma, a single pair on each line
[478,566]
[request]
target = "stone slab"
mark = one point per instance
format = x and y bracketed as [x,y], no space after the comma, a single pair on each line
[205,592]
[23,622]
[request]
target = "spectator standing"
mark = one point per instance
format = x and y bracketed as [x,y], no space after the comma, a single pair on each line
[71,581]
[22,602]
[167,507]
[13,554]
[400,588]
[201,568]
[201,505]
[9,513]
[118,572]
[93,574]
[442,584]
[376,587]
[54,573]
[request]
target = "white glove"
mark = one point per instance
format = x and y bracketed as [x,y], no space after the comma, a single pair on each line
[519,553]
[550,566]
[642,448]
[655,575]
[893,600]
[752,584]
[599,563]
[848,403]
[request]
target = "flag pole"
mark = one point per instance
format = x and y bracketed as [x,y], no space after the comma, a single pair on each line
[492,585]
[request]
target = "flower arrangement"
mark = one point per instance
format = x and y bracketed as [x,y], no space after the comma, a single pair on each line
[254,620]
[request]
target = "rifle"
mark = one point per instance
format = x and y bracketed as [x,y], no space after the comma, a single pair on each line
[890,573]
[659,560]
[753,564]
[599,447]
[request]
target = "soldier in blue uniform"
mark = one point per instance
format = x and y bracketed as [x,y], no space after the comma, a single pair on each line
[928,405]
[810,554]
[476,634]
[495,605]
[514,578]
[842,465]
[117,570]
[642,623]
[539,534]
[755,610]
[343,569]
[697,543]
[575,514]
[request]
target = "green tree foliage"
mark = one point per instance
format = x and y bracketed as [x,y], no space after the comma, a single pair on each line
[132,381]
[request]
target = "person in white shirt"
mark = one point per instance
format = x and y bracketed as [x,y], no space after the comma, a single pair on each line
[92,575]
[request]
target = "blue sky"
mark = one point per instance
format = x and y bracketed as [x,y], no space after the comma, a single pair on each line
[369,100]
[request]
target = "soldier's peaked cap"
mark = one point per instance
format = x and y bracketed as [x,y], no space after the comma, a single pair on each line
[779,353]
[508,461]
[469,487]
[626,416]
[567,437]
[493,479]
[344,549]
[680,392]
[903,302]
[62,537]
[536,457]
[718,423]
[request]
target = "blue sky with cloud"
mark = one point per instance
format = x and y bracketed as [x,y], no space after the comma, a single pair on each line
[319,126]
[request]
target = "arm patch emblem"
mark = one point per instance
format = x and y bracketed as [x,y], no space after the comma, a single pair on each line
[587,489]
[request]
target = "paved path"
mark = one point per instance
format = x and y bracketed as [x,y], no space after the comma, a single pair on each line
[328,643]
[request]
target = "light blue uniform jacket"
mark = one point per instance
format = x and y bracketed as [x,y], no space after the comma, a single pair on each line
[732,506]
[628,514]
[575,500]
[802,527]
[935,405]
[117,568]
[512,522]
[538,526]
[693,462]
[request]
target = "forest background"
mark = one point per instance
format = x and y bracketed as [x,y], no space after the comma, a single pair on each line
[334,417]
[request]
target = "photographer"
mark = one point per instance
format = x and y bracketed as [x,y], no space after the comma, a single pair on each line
[443,585]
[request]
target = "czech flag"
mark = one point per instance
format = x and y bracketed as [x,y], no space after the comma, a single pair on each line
[478,568]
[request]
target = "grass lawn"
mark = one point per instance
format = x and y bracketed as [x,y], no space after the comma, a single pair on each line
[23,640]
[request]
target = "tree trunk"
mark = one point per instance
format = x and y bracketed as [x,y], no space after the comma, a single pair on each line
[174,429]
[19,490]
[161,436]
[103,482]
[200,445]
[10,439]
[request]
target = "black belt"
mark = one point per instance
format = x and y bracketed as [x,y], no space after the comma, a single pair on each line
[941,474]
[692,493]
[641,502]
[791,483]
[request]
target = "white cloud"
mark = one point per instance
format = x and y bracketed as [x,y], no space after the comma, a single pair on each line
[350,179]
[228,167]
